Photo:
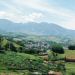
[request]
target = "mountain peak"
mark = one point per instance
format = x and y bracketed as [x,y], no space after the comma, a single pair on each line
[42,28]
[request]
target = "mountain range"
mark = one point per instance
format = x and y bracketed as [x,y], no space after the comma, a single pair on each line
[42,28]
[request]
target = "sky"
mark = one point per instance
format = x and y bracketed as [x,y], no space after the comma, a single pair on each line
[61,12]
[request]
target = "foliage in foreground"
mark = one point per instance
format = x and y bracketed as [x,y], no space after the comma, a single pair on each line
[17,61]
[21,61]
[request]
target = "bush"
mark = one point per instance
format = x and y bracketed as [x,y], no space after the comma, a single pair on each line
[15,61]
[10,46]
[58,49]
[2,49]
[71,47]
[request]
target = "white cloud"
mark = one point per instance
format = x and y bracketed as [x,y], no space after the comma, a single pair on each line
[2,13]
[46,7]
[69,23]
[33,17]
[66,17]
[38,5]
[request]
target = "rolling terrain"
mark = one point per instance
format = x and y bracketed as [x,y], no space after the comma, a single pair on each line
[32,28]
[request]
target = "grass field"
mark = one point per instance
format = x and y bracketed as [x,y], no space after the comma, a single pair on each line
[70,53]
[70,66]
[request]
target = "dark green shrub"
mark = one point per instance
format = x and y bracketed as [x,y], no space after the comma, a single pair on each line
[57,49]
[71,47]
[2,49]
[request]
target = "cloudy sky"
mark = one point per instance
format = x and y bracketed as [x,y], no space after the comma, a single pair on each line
[61,12]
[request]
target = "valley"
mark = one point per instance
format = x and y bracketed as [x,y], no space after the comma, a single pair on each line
[27,56]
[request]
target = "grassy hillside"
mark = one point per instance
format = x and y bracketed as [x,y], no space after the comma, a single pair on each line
[19,62]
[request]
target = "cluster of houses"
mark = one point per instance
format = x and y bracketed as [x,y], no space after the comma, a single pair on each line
[42,46]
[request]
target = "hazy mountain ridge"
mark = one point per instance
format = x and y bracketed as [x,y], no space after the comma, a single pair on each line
[36,28]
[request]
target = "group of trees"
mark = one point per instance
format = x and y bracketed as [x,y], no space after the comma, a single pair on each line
[57,49]
[21,46]
[10,45]
[6,45]
[71,47]
[18,46]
